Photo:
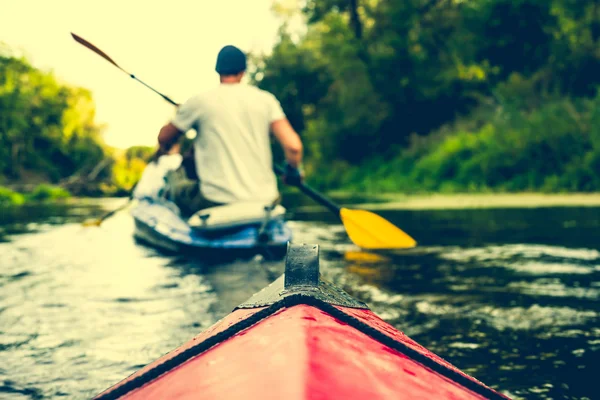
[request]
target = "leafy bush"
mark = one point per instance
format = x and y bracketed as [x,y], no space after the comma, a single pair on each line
[9,197]
[45,192]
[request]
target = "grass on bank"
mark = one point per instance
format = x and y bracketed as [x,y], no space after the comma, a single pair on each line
[551,148]
[40,193]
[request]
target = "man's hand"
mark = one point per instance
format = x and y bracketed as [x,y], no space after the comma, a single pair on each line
[292,176]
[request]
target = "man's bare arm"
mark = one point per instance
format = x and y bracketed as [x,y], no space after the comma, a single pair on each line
[289,141]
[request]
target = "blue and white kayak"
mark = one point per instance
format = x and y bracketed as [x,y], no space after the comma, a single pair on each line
[236,230]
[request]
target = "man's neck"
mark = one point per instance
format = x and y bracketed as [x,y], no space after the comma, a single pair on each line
[230,80]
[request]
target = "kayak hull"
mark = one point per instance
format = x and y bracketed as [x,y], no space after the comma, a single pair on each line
[299,353]
[300,338]
[161,227]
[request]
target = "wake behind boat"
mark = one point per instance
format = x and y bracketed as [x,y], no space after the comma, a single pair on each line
[300,338]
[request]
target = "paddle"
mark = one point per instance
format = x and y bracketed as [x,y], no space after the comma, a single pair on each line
[366,229]
[80,40]
[98,221]
[102,54]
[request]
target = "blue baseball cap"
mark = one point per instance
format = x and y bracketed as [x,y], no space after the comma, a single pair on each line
[230,61]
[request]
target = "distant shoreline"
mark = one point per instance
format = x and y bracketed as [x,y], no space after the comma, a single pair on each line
[476,200]
[384,201]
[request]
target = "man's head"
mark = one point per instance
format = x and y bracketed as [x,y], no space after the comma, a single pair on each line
[231,63]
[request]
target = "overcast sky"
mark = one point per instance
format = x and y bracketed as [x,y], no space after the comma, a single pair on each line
[171,46]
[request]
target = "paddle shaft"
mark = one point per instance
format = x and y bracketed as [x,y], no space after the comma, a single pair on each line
[313,194]
[151,88]
[113,212]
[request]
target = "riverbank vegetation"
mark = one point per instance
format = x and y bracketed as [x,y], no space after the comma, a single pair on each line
[40,193]
[450,96]
[50,144]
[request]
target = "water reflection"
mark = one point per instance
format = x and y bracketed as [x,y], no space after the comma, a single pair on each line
[232,283]
[42,216]
[509,296]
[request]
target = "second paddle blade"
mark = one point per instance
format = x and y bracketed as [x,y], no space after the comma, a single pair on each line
[370,231]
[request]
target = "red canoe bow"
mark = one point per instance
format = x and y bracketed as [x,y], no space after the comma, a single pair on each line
[300,338]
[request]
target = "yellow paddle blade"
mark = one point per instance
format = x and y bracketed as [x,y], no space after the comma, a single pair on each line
[94,222]
[370,231]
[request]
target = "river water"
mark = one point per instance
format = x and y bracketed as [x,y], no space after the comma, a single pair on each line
[507,295]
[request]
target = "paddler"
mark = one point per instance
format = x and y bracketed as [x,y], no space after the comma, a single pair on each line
[232,148]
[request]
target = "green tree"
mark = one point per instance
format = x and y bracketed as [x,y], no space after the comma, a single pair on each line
[46,127]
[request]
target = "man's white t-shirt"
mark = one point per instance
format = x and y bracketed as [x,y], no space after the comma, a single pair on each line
[232,147]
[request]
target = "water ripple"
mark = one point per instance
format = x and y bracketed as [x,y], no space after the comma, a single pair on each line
[82,308]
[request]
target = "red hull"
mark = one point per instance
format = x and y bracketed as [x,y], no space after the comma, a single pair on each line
[300,348]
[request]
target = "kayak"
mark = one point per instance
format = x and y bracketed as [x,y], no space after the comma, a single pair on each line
[300,338]
[231,231]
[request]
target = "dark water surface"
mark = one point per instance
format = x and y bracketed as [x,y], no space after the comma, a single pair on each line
[508,295]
